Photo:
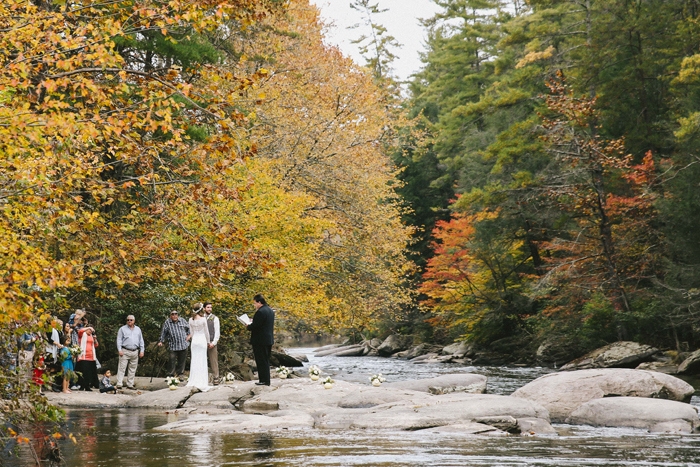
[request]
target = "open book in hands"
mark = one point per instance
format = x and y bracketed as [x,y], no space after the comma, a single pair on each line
[245,319]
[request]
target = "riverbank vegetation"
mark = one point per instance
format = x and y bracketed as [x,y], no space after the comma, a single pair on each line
[538,182]
[559,191]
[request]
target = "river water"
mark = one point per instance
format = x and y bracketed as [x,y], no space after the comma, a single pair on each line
[124,437]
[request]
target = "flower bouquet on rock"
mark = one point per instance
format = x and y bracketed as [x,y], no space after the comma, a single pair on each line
[230,378]
[314,372]
[328,383]
[377,379]
[283,372]
[172,382]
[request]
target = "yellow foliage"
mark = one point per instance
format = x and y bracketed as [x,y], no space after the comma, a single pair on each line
[534,56]
[324,128]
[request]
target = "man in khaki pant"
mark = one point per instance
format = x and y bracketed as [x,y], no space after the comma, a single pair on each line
[130,346]
[215,333]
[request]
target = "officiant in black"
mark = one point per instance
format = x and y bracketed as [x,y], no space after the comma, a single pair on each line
[262,338]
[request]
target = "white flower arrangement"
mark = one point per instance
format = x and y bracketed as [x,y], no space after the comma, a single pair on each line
[172,381]
[328,380]
[230,377]
[314,370]
[283,371]
[378,378]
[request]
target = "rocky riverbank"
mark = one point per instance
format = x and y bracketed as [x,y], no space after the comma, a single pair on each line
[454,403]
[623,354]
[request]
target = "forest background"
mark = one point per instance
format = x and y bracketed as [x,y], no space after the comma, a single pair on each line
[535,188]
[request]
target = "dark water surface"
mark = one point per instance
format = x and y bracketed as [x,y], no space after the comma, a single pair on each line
[124,437]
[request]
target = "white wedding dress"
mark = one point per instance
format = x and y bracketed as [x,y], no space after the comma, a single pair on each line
[199,373]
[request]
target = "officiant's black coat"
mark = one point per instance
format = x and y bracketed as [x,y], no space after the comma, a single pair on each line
[262,327]
[261,338]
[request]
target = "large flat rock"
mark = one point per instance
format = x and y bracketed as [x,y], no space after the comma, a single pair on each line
[303,404]
[89,400]
[562,393]
[655,415]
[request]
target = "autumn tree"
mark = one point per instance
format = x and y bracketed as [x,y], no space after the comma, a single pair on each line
[320,132]
[98,154]
[605,241]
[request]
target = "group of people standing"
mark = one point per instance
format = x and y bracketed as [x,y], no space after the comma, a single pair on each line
[74,368]
[201,333]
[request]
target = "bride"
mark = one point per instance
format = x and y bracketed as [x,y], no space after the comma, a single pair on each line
[199,335]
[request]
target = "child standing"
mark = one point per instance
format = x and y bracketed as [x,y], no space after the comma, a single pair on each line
[67,364]
[106,384]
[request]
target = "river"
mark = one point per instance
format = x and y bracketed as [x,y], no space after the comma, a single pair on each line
[124,437]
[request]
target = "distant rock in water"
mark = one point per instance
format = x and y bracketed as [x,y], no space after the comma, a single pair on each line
[690,365]
[394,343]
[562,393]
[623,354]
[655,415]
[282,359]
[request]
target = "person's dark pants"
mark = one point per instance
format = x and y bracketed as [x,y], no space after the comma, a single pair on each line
[262,361]
[176,362]
[87,369]
[109,389]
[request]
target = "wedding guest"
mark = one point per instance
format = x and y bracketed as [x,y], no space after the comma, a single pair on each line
[87,360]
[67,364]
[55,339]
[176,332]
[130,346]
[38,373]
[27,348]
[68,332]
[106,383]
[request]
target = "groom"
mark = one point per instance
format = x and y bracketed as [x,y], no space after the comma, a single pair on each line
[214,334]
[261,338]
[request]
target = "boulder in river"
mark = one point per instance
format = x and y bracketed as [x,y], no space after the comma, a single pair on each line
[562,393]
[622,354]
[417,351]
[353,350]
[458,349]
[282,359]
[394,343]
[655,415]
[691,365]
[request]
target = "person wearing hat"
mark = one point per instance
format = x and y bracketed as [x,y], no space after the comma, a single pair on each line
[176,332]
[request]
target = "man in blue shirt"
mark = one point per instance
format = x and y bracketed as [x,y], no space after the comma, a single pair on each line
[130,346]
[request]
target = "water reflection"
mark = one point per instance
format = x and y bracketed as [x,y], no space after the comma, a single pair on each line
[575,446]
[124,437]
